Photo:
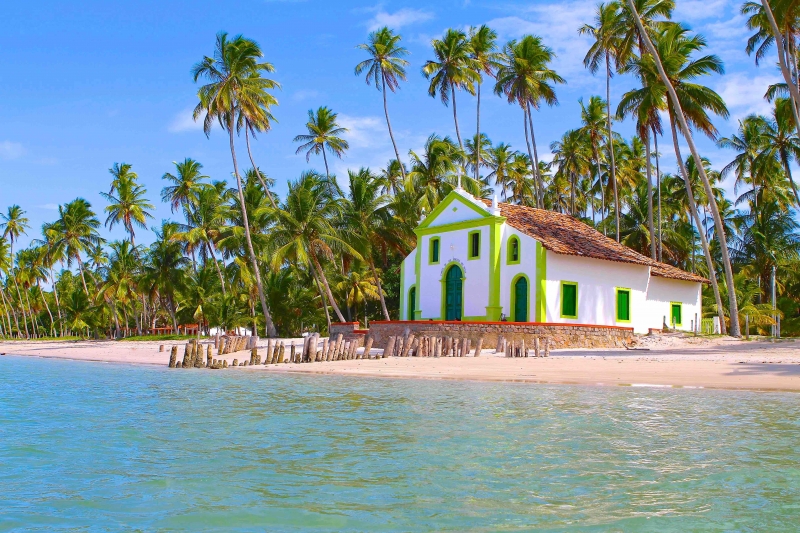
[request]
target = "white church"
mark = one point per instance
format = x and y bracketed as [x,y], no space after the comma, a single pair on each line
[477,260]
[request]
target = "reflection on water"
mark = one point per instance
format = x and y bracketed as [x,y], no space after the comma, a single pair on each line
[94,447]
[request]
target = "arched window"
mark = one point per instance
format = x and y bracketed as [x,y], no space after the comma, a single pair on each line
[514,252]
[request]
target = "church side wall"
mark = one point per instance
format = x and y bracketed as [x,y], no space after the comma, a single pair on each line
[663,292]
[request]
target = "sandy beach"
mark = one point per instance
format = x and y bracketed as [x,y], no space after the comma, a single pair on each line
[669,362]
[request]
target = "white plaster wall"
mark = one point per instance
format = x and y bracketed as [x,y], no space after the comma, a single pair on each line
[409,278]
[527,265]
[663,291]
[597,282]
[453,246]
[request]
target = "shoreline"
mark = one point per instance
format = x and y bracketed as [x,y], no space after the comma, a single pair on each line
[685,363]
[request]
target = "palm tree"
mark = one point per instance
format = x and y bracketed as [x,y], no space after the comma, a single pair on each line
[5,268]
[233,79]
[430,170]
[187,181]
[129,207]
[304,232]
[483,42]
[323,135]
[452,69]
[15,223]
[386,68]
[677,110]
[164,274]
[607,40]
[572,156]
[525,78]
[75,232]
[594,124]
[781,139]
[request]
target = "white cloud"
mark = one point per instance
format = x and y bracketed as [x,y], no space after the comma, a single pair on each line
[302,95]
[364,132]
[11,150]
[398,19]
[744,94]
[51,207]
[183,121]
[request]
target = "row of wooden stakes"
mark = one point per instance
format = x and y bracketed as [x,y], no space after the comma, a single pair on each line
[518,348]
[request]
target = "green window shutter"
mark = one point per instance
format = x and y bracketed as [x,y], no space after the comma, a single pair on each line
[623,305]
[412,303]
[434,250]
[475,244]
[569,300]
[676,314]
[515,250]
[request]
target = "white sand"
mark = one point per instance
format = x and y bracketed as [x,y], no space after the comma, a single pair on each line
[673,361]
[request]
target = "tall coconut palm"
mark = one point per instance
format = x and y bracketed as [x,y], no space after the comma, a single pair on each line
[75,232]
[164,274]
[5,268]
[304,232]
[129,207]
[431,169]
[607,40]
[233,77]
[593,129]
[324,135]
[385,68]
[15,223]
[573,158]
[483,42]
[524,76]
[187,181]
[678,113]
[453,68]
[782,140]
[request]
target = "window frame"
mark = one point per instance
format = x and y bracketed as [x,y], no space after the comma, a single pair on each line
[509,259]
[412,303]
[561,298]
[431,260]
[471,257]
[680,306]
[616,305]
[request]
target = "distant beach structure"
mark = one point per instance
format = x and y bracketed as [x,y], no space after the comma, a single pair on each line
[478,260]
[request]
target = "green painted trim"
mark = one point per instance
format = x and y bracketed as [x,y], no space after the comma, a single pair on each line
[561,299]
[494,309]
[471,257]
[430,250]
[444,204]
[467,224]
[403,302]
[477,318]
[616,304]
[512,239]
[408,314]
[443,282]
[417,280]
[678,324]
[513,299]
[541,283]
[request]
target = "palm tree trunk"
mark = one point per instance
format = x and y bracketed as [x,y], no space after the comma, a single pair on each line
[83,278]
[596,155]
[5,309]
[22,307]
[658,193]
[687,134]
[477,137]
[611,148]
[650,225]
[322,297]
[46,306]
[171,310]
[116,318]
[455,116]
[324,279]
[33,318]
[380,290]
[785,161]
[258,172]
[389,125]
[540,198]
[327,171]
[58,304]
[530,155]
[712,274]
[269,326]
[219,271]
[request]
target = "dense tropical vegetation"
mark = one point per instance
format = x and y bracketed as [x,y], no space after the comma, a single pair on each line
[239,255]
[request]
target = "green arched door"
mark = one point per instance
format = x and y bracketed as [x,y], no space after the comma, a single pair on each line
[453,293]
[521,300]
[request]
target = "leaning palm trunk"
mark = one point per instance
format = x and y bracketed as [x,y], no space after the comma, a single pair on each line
[611,148]
[389,125]
[214,260]
[658,194]
[600,184]
[327,287]
[650,225]
[269,326]
[258,172]
[477,138]
[322,297]
[687,134]
[5,308]
[540,183]
[83,277]
[46,306]
[455,117]
[712,273]
[380,289]
[58,304]
[34,325]
[530,155]
[22,308]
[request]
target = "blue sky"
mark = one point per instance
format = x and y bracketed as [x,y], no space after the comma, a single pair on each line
[87,84]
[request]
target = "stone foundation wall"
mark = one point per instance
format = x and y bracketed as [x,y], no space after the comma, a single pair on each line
[561,335]
[349,331]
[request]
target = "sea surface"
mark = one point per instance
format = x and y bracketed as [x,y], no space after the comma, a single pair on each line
[102,447]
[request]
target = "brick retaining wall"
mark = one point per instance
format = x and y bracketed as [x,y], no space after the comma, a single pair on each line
[562,335]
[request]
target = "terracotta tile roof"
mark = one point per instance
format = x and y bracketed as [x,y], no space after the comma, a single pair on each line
[563,234]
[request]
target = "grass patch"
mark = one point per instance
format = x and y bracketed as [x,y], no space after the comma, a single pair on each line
[161,338]
[4,339]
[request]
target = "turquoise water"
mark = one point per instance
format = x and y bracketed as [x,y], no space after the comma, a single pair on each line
[100,447]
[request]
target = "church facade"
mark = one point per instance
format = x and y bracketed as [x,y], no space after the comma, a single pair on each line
[487,261]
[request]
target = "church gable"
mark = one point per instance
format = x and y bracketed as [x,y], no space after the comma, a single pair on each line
[455,208]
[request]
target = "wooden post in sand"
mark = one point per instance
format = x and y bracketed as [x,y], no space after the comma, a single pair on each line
[291,353]
[209,356]
[368,347]
[173,357]
[389,347]
[407,345]
[547,347]
[478,347]
[216,340]
[161,348]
